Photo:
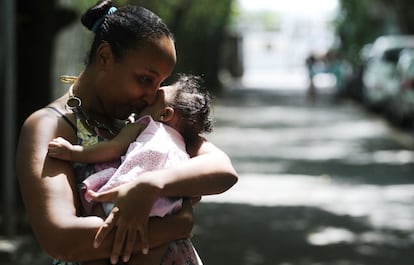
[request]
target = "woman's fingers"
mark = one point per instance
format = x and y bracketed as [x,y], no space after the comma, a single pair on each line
[125,239]
[130,219]
[105,196]
[109,224]
[143,232]
[125,236]
[129,237]
[118,243]
[129,246]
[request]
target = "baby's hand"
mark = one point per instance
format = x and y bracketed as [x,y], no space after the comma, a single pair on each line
[60,148]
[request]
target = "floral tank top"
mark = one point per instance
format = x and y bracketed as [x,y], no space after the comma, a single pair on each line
[179,252]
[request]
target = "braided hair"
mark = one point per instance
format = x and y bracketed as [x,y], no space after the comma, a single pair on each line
[125,29]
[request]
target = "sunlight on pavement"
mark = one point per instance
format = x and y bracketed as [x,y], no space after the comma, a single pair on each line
[398,157]
[389,206]
[275,79]
[334,235]
[331,235]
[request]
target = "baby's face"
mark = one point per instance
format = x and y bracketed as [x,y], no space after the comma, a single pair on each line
[157,109]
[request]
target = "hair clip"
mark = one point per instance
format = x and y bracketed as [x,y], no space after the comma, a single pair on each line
[100,21]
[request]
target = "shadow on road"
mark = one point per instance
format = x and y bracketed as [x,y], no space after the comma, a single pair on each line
[243,234]
[286,134]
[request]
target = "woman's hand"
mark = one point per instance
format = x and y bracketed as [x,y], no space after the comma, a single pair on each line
[133,203]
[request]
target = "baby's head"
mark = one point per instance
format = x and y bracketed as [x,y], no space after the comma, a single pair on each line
[184,105]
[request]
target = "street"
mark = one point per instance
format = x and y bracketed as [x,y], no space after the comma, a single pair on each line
[322,182]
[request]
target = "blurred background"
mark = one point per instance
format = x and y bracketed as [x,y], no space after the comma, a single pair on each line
[314,103]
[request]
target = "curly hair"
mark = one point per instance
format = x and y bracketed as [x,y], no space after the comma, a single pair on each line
[192,103]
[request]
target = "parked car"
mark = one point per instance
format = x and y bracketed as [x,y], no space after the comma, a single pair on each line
[379,79]
[401,106]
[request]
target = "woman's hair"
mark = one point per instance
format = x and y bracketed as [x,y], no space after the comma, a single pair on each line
[125,29]
[192,103]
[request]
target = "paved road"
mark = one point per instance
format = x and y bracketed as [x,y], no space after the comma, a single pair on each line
[320,183]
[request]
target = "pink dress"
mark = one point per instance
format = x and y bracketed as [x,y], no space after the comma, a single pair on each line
[158,146]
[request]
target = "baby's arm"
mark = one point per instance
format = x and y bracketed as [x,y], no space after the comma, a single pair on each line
[100,152]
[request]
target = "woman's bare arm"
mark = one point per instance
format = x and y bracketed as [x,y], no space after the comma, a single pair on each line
[209,171]
[49,193]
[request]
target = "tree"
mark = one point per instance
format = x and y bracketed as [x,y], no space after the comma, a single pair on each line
[200,31]
[361,22]
[356,26]
[403,13]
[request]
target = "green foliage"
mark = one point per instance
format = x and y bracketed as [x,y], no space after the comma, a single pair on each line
[360,22]
[82,5]
[199,28]
[266,19]
[405,15]
[200,31]
[357,26]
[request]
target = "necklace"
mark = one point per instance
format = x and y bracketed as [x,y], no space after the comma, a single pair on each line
[74,104]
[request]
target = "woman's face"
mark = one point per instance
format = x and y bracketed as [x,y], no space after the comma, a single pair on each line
[158,108]
[131,83]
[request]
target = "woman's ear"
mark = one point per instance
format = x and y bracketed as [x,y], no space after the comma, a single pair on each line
[168,114]
[104,54]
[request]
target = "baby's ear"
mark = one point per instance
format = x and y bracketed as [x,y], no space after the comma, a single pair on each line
[168,114]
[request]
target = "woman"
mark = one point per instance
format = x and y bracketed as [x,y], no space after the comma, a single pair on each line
[132,54]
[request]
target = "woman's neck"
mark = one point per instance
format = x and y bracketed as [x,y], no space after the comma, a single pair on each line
[91,108]
[85,88]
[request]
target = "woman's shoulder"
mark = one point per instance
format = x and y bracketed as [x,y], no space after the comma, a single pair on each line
[49,119]
[40,118]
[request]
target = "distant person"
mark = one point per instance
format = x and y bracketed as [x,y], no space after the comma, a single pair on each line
[310,63]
